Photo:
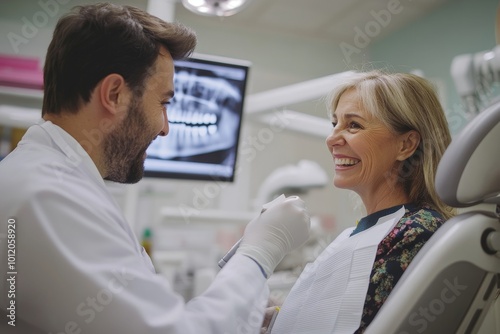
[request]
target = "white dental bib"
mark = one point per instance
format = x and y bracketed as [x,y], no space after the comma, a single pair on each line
[330,293]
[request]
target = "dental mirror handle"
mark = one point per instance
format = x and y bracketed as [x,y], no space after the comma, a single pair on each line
[229,254]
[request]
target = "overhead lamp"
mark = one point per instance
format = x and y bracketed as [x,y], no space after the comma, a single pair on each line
[215,7]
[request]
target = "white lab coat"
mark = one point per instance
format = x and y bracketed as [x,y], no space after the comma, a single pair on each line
[79,267]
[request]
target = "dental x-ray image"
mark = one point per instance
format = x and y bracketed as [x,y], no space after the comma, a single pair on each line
[204,118]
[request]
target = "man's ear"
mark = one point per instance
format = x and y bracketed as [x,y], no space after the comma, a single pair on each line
[409,143]
[114,93]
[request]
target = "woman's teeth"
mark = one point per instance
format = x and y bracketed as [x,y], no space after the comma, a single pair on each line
[346,162]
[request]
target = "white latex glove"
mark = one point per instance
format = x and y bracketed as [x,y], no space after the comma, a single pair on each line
[282,227]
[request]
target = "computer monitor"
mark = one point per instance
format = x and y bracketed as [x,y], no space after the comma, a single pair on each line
[205,118]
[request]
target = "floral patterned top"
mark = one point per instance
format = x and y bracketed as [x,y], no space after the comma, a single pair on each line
[395,252]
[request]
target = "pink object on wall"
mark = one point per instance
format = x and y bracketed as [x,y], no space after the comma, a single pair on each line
[20,72]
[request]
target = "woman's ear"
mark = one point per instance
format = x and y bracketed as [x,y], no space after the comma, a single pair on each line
[113,93]
[409,144]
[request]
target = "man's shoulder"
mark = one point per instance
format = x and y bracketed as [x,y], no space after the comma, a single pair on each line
[32,170]
[33,160]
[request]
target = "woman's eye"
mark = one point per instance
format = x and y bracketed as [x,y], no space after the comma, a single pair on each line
[334,124]
[354,125]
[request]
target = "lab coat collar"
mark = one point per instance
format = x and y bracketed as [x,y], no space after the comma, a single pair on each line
[74,152]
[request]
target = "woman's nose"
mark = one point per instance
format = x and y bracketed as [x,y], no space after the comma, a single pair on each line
[335,138]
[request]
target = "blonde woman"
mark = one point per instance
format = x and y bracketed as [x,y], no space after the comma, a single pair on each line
[389,133]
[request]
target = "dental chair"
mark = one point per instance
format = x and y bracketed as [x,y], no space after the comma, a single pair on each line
[453,283]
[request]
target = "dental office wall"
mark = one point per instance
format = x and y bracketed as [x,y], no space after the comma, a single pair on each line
[430,44]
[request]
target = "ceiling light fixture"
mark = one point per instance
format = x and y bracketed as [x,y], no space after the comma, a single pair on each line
[215,7]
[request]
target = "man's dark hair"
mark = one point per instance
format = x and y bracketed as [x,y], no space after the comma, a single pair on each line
[94,41]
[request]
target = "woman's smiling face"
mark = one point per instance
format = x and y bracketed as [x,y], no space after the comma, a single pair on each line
[364,150]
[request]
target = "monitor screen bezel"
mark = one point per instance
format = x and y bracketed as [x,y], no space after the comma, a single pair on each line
[217,61]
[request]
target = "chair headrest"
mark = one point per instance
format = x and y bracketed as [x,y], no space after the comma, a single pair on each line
[469,171]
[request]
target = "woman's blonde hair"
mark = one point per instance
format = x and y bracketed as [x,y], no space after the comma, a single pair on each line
[405,102]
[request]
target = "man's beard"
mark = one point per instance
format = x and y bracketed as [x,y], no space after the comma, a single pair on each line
[124,147]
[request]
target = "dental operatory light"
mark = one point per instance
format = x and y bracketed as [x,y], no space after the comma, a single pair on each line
[215,7]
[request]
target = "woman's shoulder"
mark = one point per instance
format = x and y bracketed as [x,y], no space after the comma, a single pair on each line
[423,216]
